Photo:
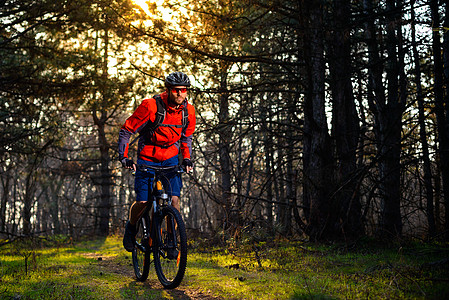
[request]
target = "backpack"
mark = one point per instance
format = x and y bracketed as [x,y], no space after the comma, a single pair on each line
[149,128]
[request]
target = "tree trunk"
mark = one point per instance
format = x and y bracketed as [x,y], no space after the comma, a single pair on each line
[100,117]
[224,142]
[441,111]
[53,203]
[317,157]
[28,197]
[423,134]
[390,121]
[14,219]
[290,181]
[446,100]
[5,181]
[280,180]
[345,125]
[105,180]
[387,118]
[27,206]
[268,147]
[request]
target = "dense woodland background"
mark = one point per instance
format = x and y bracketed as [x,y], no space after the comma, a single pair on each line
[326,120]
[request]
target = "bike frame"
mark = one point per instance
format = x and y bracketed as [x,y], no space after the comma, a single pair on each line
[159,235]
[154,211]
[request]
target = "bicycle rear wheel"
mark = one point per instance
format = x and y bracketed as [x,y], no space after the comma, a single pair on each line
[170,254]
[141,253]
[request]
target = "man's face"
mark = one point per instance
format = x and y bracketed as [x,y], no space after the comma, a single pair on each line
[177,94]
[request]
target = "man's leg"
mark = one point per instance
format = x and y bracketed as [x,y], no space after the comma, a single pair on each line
[135,212]
[176,203]
[142,182]
[172,251]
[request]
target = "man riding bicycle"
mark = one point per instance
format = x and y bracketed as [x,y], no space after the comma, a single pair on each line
[166,124]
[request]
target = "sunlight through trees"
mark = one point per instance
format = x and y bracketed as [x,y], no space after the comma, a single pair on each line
[316,120]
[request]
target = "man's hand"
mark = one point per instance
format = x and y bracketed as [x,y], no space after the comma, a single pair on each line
[187,165]
[128,164]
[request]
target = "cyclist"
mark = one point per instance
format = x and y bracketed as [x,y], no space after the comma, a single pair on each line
[159,146]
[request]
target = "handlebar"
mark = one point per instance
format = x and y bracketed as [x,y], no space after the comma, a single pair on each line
[145,168]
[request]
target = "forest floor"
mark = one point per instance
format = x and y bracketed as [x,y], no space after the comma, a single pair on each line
[101,269]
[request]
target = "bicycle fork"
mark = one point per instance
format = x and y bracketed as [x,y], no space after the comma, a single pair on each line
[170,238]
[169,224]
[146,236]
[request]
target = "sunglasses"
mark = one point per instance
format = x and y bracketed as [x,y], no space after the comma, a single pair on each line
[176,90]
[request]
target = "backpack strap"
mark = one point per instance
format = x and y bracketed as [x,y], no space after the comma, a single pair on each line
[149,128]
[160,116]
[185,117]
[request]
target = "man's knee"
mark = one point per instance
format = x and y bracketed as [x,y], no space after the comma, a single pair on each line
[136,211]
[175,202]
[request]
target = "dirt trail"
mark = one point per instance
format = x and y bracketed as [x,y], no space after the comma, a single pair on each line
[183,292]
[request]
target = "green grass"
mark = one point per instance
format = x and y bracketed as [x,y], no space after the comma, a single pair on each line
[101,269]
[286,270]
[87,270]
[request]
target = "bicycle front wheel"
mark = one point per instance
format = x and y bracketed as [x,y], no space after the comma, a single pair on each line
[170,253]
[141,253]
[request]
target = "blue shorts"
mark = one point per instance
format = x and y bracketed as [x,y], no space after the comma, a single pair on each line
[172,180]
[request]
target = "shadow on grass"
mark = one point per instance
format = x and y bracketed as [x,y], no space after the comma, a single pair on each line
[150,290]
[300,296]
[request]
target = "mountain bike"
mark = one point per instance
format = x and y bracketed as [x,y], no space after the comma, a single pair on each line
[161,232]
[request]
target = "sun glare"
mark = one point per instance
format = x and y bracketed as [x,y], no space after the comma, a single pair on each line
[166,13]
[143,5]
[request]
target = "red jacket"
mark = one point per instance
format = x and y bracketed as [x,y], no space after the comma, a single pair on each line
[166,141]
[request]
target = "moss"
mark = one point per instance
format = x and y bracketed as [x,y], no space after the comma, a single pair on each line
[101,269]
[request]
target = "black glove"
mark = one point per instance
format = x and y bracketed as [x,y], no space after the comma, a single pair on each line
[186,163]
[127,163]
